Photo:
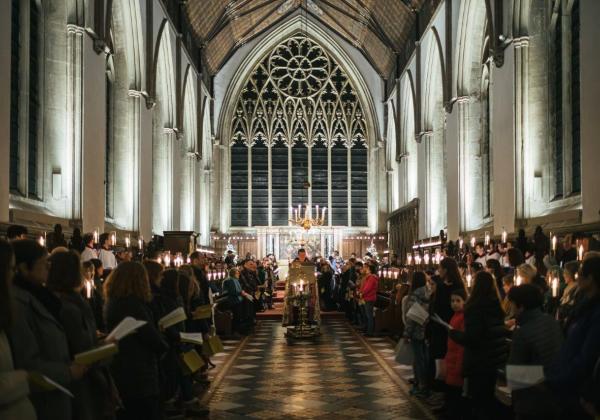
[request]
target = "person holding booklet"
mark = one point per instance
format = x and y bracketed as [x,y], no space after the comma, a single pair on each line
[94,398]
[37,336]
[484,340]
[135,367]
[14,383]
[415,311]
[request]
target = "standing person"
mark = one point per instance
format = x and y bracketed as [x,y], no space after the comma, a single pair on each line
[76,242]
[88,252]
[454,401]
[368,292]
[14,384]
[135,367]
[92,392]
[414,332]
[56,238]
[37,337]
[109,261]
[249,281]
[325,281]
[572,373]
[535,341]
[572,295]
[16,232]
[438,335]
[484,339]
[493,267]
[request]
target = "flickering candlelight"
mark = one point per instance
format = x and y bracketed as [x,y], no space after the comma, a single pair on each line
[580,253]
[554,240]
[555,287]
[409,259]
[504,236]
[418,259]
[518,280]
[469,280]
[127,241]
[96,235]
[460,243]
[140,242]
[167,259]
[88,289]
[113,238]
[473,241]
[395,274]
[42,240]
[426,259]
[486,239]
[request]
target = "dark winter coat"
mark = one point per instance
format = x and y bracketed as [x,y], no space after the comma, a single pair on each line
[484,338]
[135,367]
[93,391]
[39,344]
[536,341]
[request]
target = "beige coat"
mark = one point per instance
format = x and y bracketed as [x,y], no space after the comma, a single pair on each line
[14,388]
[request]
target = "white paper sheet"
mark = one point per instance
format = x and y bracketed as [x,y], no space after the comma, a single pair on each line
[127,326]
[524,376]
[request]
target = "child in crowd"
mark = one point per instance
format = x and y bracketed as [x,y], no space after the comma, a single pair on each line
[454,402]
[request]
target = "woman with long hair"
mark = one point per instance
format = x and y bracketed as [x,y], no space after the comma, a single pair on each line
[14,384]
[484,339]
[92,392]
[135,367]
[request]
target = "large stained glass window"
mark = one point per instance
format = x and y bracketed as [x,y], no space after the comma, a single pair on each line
[298,137]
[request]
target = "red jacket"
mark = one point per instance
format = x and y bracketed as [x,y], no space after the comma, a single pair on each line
[369,288]
[455,353]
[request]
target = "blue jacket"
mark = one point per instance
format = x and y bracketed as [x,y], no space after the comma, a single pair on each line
[233,289]
[572,371]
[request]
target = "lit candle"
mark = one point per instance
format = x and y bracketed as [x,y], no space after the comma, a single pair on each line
[88,289]
[460,243]
[96,236]
[418,259]
[42,240]
[469,279]
[127,241]
[555,287]
[519,280]
[426,258]
[301,286]
[472,242]
[167,259]
[188,260]
[113,239]
[380,273]
[140,243]
[487,239]
[395,274]
[504,235]
[554,243]
[409,259]
[580,253]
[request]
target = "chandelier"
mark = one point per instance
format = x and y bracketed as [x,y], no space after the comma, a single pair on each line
[306,221]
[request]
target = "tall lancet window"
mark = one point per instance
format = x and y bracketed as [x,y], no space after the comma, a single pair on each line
[298,137]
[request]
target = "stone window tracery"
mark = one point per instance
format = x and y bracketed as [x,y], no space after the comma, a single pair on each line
[299,98]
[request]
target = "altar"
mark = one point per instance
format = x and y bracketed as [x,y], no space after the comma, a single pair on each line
[301,310]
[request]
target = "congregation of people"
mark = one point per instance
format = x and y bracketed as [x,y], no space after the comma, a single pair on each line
[466,321]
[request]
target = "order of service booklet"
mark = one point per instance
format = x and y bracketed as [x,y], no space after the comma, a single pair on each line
[174,317]
[127,326]
[95,355]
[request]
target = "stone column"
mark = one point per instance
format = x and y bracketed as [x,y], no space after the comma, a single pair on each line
[524,188]
[590,123]
[269,185]
[71,169]
[249,185]
[329,199]
[455,180]
[5,109]
[349,169]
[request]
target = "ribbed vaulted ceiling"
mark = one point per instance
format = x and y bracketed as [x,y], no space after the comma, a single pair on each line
[378,28]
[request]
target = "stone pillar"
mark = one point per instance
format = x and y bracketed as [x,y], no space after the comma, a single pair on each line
[93,148]
[269,185]
[454,178]
[329,198]
[503,124]
[71,169]
[249,185]
[143,170]
[524,187]
[5,109]
[590,123]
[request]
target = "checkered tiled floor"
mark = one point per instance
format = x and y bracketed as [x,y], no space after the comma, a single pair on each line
[337,378]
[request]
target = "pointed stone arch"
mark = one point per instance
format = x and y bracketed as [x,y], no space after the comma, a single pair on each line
[370,130]
[409,155]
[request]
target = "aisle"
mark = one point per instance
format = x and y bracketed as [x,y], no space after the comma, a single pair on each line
[338,378]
